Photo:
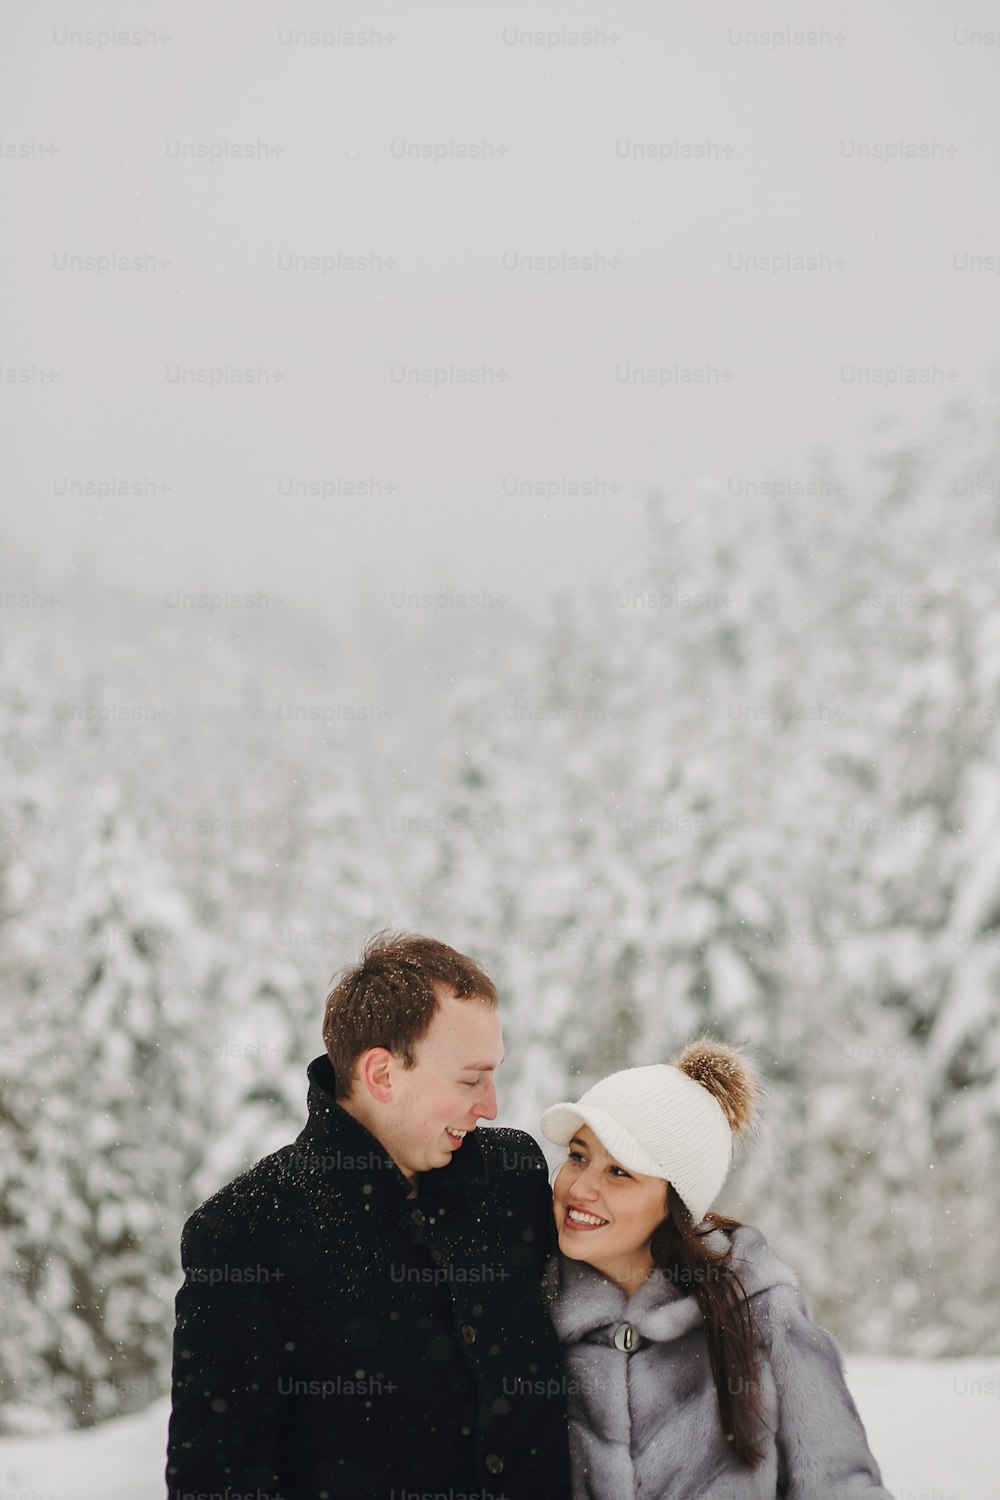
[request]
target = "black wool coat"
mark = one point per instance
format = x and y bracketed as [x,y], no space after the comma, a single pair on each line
[337,1339]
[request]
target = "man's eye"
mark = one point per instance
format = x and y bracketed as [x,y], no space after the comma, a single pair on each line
[468,1085]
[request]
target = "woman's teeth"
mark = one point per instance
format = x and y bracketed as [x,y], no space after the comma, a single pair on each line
[578,1217]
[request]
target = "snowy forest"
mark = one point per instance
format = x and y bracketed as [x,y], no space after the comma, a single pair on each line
[747,782]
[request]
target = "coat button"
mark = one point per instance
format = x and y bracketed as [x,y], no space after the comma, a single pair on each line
[469,1334]
[418,1217]
[624,1337]
[494,1463]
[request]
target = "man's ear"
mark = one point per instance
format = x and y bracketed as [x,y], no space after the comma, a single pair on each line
[375,1073]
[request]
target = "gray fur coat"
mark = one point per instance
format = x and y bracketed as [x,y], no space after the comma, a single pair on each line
[644,1424]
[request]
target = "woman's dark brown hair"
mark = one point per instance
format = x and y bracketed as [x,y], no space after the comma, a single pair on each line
[678,1248]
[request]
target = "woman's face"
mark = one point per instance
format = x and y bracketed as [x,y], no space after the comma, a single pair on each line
[628,1206]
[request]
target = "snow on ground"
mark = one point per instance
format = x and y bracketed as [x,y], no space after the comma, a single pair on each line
[932,1426]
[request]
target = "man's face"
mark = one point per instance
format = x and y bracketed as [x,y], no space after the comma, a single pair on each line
[448,1089]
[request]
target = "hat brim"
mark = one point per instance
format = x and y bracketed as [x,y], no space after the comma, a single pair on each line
[560,1123]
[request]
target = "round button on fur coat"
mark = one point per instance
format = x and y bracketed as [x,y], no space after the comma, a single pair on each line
[644,1421]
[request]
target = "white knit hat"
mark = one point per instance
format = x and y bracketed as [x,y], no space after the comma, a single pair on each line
[672,1120]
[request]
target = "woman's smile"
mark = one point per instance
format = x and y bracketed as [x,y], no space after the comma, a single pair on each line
[583,1218]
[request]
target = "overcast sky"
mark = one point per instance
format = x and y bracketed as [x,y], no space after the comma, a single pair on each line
[677,147]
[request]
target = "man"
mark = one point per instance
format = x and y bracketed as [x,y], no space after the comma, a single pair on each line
[361,1316]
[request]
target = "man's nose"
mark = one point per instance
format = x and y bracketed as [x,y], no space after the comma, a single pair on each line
[486,1105]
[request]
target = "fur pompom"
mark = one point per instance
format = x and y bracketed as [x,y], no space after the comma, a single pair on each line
[728,1075]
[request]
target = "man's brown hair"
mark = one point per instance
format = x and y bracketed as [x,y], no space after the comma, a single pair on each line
[388,999]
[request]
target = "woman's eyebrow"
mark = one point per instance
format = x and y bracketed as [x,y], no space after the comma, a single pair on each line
[576,1141]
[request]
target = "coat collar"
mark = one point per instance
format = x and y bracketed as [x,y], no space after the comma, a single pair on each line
[335,1144]
[585,1305]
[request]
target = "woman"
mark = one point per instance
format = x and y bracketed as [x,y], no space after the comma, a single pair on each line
[695,1369]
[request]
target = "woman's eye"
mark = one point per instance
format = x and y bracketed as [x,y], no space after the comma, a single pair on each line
[621,1172]
[574,1156]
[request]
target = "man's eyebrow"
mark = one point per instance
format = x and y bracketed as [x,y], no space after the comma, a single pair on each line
[482,1067]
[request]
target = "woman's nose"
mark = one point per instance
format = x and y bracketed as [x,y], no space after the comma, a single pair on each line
[586,1183]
